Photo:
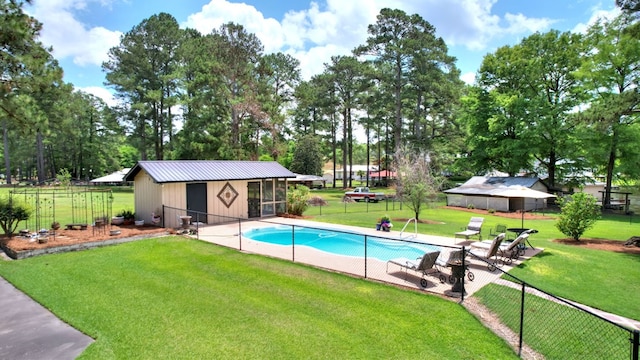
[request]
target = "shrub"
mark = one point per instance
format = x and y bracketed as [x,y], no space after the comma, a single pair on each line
[579,212]
[471,206]
[64,177]
[11,213]
[491,211]
[297,200]
[317,201]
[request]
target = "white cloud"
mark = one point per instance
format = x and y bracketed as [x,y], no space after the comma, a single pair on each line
[219,12]
[102,93]
[325,28]
[596,15]
[468,78]
[68,36]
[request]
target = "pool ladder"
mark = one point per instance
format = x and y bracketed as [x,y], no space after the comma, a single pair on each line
[415,223]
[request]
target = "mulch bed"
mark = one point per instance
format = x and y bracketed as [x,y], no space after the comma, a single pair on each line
[601,244]
[65,237]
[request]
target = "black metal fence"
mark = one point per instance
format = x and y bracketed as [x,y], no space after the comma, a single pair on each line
[536,323]
[542,323]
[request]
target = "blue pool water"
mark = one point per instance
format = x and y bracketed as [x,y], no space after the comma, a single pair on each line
[340,243]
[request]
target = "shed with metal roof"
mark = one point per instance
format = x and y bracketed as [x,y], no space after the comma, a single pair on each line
[209,191]
[481,192]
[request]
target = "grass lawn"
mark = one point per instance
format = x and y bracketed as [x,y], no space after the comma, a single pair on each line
[200,297]
[182,299]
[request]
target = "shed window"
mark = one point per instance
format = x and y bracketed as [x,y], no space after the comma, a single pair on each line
[281,190]
[267,190]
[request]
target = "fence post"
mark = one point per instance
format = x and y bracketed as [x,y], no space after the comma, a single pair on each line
[464,272]
[636,344]
[239,234]
[293,243]
[198,225]
[523,291]
[365,255]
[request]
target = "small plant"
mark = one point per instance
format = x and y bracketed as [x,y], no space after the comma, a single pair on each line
[55,225]
[11,213]
[471,206]
[297,200]
[317,201]
[491,211]
[64,177]
[127,214]
[579,212]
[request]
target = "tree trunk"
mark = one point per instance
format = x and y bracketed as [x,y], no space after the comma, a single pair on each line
[7,160]
[334,146]
[40,157]
[350,144]
[344,149]
[610,167]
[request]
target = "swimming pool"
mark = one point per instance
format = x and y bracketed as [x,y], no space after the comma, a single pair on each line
[340,243]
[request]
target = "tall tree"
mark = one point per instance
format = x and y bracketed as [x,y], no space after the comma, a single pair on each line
[307,158]
[143,70]
[24,64]
[397,41]
[347,75]
[279,74]
[528,92]
[238,53]
[610,74]
[206,116]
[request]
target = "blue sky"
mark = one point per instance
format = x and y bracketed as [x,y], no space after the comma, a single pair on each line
[82,31]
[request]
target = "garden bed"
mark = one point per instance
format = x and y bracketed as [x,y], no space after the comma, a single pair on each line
[18,247]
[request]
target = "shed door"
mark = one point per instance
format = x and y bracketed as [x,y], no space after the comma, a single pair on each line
[253,189]
[197,202]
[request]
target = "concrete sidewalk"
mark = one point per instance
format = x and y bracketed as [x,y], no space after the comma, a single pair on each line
[30,331]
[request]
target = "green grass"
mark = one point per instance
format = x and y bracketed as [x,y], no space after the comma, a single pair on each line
[178,298]
[602,279]
[572,331]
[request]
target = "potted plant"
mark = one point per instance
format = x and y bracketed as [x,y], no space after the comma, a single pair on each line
[128,216]
[385,223]
[118,219]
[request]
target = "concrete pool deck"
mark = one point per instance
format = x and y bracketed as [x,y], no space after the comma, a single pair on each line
[228,235]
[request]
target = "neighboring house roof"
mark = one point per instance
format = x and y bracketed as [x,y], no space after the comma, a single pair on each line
[383,173]
[167,171]
[115,177]
[301,177]
[492,186]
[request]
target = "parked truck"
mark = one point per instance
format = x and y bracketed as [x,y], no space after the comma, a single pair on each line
[363,193]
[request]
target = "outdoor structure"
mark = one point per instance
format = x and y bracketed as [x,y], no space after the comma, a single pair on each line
[310,181]
[383,177]
[210,191]
[115,178]
[499,193]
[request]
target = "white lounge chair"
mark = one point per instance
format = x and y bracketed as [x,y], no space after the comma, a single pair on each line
[473,228]
[422,265]
[489,253]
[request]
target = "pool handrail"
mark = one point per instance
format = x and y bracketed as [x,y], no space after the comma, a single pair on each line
[415,222]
